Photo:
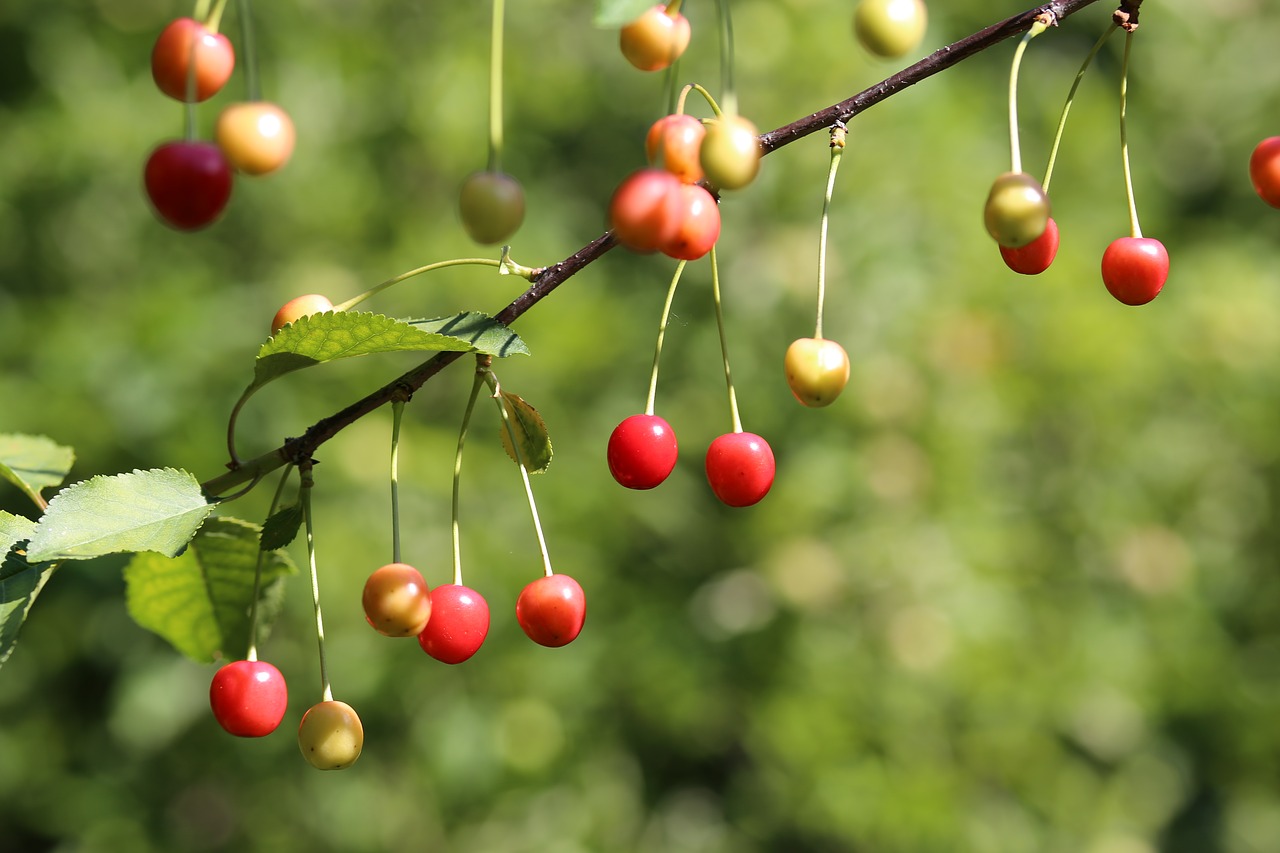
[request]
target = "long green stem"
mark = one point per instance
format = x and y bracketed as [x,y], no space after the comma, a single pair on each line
[662,333]
[838,134]
[397,415]
[249,51]
[727,91]
[1135,228]
[307,483]
[482,364]
[376,289]
[1015,146]
[1066,107]
[214,19]
[524,471]
[694,87]
[724,341]
[257,571]
[495,87]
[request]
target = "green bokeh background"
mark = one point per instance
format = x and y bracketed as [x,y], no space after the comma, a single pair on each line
[1015,591]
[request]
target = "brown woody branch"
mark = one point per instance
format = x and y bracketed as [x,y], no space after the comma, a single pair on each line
[544,281]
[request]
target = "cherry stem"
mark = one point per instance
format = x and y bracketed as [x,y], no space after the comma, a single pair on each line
[495,87]
[662,333]
[1135,228]
[214,19]
[252,654]
[1015,146]
[724,342]
[673,8]
[307,482]
[482,365]
[695,87]
[838,134]
[504,266]
[201,12]
[498,398]
[728,93]
[253,89]
[397,415]
[1066,107]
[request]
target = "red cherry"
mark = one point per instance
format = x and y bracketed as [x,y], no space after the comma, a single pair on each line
[697,224]
[179,43]
[645,210]
[551,610]
[1264,170]
[248,698]
[740,468]
[188,183]
[1035,257]
[642,451]
[674,143]
[458,625]
[1134,269]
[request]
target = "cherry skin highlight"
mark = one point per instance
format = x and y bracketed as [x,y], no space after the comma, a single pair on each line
[172,55]
[1134,269]
[248,698]
[188,182]
[1035,257]
[642,451]
[890,28]
[740,468]
[458,625]
[257,137]
[552,610]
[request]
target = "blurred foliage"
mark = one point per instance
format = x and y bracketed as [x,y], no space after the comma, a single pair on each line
[1015,591]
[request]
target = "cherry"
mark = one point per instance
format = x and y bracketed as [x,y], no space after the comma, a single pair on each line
[330,735]
[300,306]
[642,451]
[491,205]
[655,39]
[397,601]
[730,152]
[1035,257]
[1264,170]
[248,697]
[179,43]
[551,610]
[1134,269]
[188,182]
[697,224]
[817,370]
[256,136]
[1017,210]
[645,209]
[890,28]
[458,625]
[673,143]
[740,468]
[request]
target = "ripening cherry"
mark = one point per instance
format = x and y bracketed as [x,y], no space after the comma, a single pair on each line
[642,451]
[397,601]
[817,370]
[491,205]
[674,143]
[890,28]
[740,468]
[656,39]
[1134,269]
[248,698]
[180,42]
[330,735]
[1017,210]
[257,137]
[458,625]
[730,152]
[1264,170]
[300,306]
[1035,257]
[697,224]
[645,210]
[188,182]
[551,610]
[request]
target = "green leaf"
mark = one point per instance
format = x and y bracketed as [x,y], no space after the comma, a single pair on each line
[34,462]
[199,601]
[280,529]
[484,333]
[531,433]
[156,510]
[615,13]
[20,581]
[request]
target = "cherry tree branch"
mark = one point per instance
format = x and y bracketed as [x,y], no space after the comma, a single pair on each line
[544,281]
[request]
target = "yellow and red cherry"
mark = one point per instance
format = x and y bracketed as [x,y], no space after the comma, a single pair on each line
[1134,269]
[674,143]
[397,601]
[740,468]
[330,735]
[697,224]
[817,370]
[300,306]
[458,625]
[1017,210]
[656,39]
[248,698]
[642,451]
[257,137]
[188,183]
[491,205]
[552,610]
[181,42]
[1035,257]
[1264,170]
[645,210]
[730,152]
[890,28]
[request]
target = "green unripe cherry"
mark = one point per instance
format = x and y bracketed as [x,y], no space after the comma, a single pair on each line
[730,152]
[1017,210]
[890,28]
[330,735]
[492,206]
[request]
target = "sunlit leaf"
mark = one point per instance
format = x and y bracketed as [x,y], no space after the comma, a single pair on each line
[531,433]
[34,462]
[20,581]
